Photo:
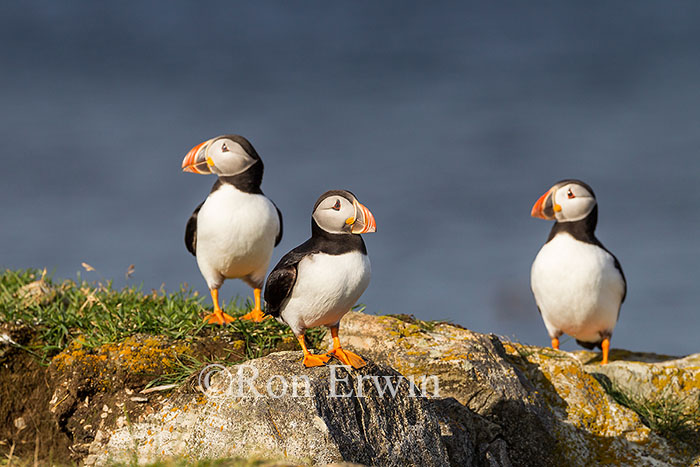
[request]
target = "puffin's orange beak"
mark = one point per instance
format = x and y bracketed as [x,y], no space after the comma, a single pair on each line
[544,207]
[364,220]
[195,161]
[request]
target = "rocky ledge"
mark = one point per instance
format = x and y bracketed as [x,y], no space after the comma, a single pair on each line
[432,394]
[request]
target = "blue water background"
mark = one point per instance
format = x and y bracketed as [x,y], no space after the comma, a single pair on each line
[448,120]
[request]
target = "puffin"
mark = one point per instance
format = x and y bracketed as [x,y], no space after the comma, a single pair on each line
[578,284]
[233,232]
[319,281]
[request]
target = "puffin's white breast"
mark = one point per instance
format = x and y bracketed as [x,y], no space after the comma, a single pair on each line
[577,288]
[327,286]
[236,233]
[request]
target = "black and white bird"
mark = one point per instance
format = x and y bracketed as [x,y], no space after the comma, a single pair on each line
[578,284]
[233,232]
[319,281]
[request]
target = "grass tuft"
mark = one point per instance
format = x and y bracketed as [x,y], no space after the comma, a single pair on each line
[671,416]
[94,313]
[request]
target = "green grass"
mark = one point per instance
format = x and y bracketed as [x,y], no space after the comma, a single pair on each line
[96,313]
[672,417]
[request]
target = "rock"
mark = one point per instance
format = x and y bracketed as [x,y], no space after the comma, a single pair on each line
[313,427]
[472,368]
[463,430]
[592,425]
[542,406]
[648,376]
[489,402]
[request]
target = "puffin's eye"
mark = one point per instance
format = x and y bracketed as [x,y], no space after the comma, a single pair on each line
[336,206]
[570,194]
[224,148]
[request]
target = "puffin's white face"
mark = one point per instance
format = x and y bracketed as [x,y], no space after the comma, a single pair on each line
[221,156]
[342,214]
[565,202]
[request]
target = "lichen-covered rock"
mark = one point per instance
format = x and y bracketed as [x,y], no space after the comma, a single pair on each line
[592,426]
[297,417]
[92,387]
[489,402]
[543,403]
[472,368]
[649,375]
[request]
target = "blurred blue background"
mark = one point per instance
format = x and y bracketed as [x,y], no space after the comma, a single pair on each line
[448,120]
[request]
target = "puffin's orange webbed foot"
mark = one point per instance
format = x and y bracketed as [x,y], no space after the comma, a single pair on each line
[345,356]
[348,358]
[219,318]
[311,360]
[256,316]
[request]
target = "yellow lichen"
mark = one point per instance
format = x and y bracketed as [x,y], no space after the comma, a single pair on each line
[135,355]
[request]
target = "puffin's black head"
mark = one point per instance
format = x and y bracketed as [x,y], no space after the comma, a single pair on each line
[339,212]
[225,156]
[566,201]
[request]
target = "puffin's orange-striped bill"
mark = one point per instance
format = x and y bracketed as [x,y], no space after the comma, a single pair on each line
[538,208]
[368,222]
[190,163]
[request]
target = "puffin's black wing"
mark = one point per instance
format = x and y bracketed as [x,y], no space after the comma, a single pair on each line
[191,231]
[281,280]
[279,216]
[278,287]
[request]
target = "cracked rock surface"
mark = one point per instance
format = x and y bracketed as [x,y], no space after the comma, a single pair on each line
[536,406]
[486,402]
[264,419]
